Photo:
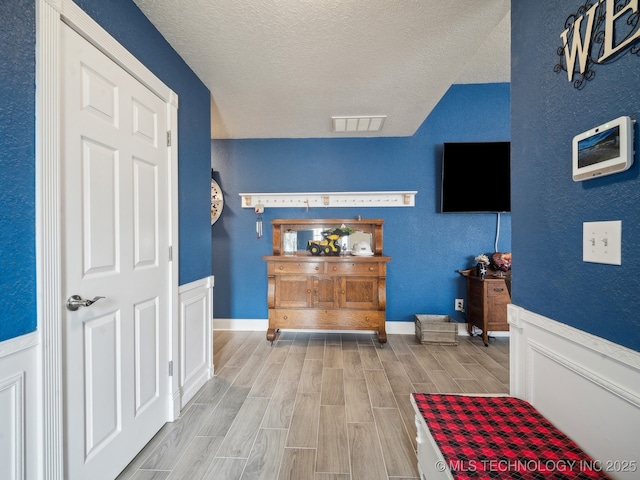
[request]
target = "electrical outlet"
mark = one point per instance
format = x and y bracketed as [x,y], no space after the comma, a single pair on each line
[459,304]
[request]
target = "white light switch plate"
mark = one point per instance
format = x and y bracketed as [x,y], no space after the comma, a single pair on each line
[602,242]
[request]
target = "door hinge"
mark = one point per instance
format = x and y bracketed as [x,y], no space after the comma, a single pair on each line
[168,138]
[171,368]
[170,253]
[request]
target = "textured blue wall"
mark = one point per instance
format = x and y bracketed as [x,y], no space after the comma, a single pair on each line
[549,276]
[426,247]
[17,168]
[126,23]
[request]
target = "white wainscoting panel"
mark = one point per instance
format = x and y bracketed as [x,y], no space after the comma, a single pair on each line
[587,386]
[19,418]
[196,337]
[12,421]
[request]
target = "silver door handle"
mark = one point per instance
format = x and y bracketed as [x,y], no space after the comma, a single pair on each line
[74,302]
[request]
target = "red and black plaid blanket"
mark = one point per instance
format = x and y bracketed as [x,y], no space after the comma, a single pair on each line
[501,437]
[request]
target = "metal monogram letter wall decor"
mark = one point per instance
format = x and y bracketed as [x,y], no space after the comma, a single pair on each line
[596,34]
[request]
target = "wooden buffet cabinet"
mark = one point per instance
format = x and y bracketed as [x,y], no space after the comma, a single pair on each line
[326,292]
[487,300]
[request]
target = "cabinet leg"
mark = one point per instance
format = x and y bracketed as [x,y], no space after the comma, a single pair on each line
[382,337]
[271,335]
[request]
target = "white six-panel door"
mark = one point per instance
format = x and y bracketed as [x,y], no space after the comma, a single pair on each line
[116,245]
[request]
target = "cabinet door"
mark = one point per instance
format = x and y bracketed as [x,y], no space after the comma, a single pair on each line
[324,292]
[293,291]
[497,300]
[359,292]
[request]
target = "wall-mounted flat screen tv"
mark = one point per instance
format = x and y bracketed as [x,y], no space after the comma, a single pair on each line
[476,177]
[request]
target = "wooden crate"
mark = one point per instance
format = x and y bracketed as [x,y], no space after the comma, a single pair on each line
[436,330]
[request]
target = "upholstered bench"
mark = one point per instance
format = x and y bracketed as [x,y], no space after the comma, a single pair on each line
[463,437]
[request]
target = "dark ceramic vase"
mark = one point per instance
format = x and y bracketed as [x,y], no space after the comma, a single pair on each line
[481,270]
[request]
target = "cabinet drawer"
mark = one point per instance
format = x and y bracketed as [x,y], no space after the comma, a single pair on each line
[497,290]
[275,268]
[354,268]
[326,319]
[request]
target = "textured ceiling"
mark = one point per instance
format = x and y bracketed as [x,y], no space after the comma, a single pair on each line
[282,68]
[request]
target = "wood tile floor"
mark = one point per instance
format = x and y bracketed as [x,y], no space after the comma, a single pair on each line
[314,406]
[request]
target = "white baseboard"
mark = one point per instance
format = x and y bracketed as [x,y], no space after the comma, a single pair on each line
[257,325]
[240,325]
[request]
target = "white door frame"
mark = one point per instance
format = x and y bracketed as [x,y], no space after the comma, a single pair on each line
[49,15]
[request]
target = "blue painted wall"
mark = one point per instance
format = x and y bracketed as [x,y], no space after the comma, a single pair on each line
[426,247]
[126,23]
[548,208]
[17,168]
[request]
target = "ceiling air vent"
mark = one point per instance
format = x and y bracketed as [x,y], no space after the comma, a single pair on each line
[358,124]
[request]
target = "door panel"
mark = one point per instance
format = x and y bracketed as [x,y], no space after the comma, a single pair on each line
[147,331]
[101,212]
[145,184]
[99,95]
[145,122]
[103,412]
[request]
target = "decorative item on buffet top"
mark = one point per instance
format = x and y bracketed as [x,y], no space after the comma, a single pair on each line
[329,244]
[500,262]
[362,249]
